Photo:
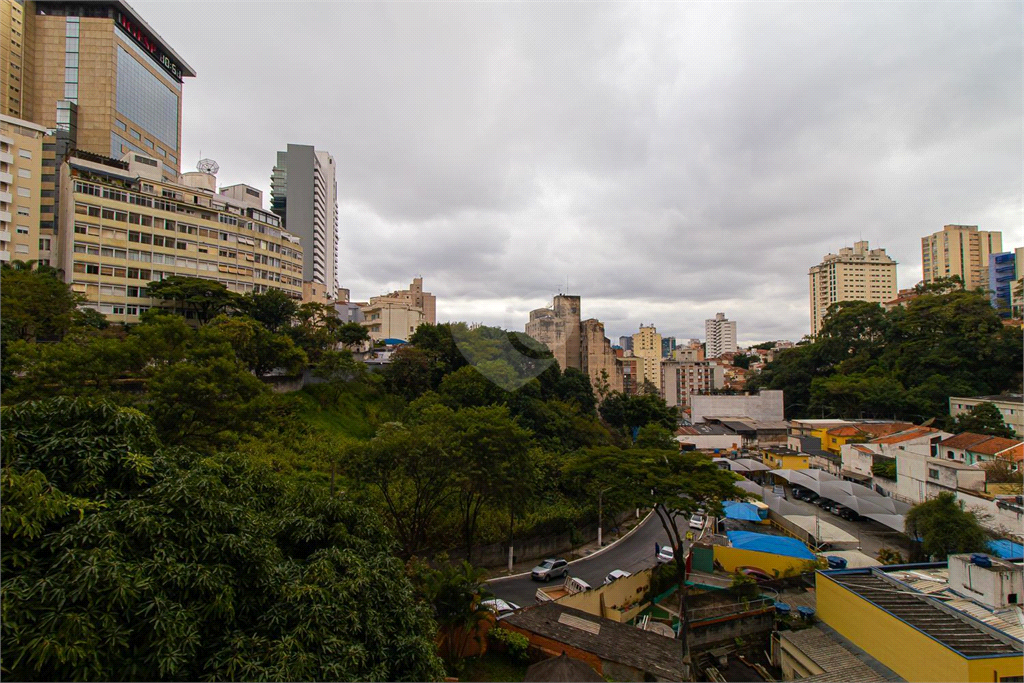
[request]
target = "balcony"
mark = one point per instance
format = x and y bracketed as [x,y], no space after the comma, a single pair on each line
[6,178]
[5,256]
[6,198]
[5,235]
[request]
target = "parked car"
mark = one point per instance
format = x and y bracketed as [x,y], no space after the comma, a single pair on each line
[616,574]
[665,554]
[848,514]
[551,568]
[758,575]
[501,608]
[811,497]
[823,503]
[697,521]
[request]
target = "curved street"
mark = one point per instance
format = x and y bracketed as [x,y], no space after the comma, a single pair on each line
[633,553]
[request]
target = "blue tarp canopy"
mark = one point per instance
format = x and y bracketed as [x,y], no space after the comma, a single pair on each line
[777,545]
[395,342]
[744,511]
[1006,549]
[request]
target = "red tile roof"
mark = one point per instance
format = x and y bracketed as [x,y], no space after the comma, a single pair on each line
[906,435]
[982,444]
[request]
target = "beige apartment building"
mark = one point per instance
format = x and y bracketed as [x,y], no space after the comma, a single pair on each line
[599,361]
[398,314]
[681,379]
[124,225]
[854,274]
[647,346]
[959,250]
[21,153]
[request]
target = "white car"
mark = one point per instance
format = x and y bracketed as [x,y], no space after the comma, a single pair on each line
[665,554]
[697,521]
[615,574]
[500,607]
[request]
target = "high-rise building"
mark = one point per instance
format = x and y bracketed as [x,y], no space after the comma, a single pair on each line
[668,345]
[626,343]
[303,192]
[681,379]
[21,153]
[959,250]
[123,225]
[1017,289]
[647,346]
[97,75]
[857,274]
[720,333]
[575,343]
[1002,272]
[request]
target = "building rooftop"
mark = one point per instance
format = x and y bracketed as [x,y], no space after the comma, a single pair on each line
[921,598]
[610,640]
[1006,398]
[980,443]
[839,664]
[906,435]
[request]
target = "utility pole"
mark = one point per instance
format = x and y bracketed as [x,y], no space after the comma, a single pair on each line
[600,510]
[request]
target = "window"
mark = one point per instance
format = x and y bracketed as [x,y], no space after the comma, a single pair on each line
[24,154]
[120,124]
[23,211]
[24,192]
[146,99]
[21,230]
[24,173]
[44,244]
[933,473]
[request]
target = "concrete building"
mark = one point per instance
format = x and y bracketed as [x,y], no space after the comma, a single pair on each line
[1011,407]
[955,621]
[765,406]
[668,345]
[21,153]
[971,449]
[626,343]
[98,76]
[598,359]
[959,250]
[124,225]
[398,314]
[558,328]
[680,380]
[632,374]
[720,334]
[1017,288]
[690,352]
[304,193]
[921,477]
[854,274]
[647,347]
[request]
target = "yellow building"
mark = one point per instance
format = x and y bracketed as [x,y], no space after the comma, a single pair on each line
[857,274]
[647,346]
[959,250]
[21,153]
[917,622]
[785,460]
[398,314]
[124,225]
[834,438]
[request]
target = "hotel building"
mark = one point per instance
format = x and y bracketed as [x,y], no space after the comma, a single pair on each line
[857,274]
[125,224]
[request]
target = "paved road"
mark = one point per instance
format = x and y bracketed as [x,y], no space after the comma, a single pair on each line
[633,553]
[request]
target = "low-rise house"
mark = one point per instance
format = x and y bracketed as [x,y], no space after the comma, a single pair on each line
[971,448]
[785,459]
[920,476]
[833,439]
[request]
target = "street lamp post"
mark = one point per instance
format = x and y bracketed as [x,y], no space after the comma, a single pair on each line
[600,496]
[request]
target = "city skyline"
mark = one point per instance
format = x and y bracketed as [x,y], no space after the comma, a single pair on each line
[670,161]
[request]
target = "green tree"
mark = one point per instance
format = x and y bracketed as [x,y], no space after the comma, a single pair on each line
[126,561]
[352,334]
[575,386]
[35,303]
[983,418]
[204,299]
[657,437]
[274,309]
[316,329]
[259,349]
[742,360]
[467,387]
[410,373]
[943,527]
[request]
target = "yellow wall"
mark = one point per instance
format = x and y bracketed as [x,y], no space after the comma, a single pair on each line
[730,558]
[902,648]
[628,590]
[792,462]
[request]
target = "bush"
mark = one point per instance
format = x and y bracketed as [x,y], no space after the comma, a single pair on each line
[516,644]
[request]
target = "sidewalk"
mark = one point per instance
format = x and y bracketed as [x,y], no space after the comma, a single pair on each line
[578,553]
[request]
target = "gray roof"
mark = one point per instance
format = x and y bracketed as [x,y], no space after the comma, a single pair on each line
[839,663]
[920,612]
[644,650]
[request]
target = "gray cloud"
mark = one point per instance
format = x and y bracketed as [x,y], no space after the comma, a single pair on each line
[670,159]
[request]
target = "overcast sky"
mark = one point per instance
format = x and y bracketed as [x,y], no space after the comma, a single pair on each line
[666,160]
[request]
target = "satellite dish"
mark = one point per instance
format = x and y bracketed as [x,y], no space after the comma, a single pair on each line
[208,166]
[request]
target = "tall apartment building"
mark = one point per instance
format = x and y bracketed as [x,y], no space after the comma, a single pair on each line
[626,343]
[123,225]
[304,193]
[1017,288]
[1002,273]
[857,274]
[576,343]
[647,346]
[681,379]
[960,250]
[398,314]
[668,345]
[21,153]
[98,76]
[720,333]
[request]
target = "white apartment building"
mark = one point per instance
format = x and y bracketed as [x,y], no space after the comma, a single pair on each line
[720,333]
[960,250]
[857,274]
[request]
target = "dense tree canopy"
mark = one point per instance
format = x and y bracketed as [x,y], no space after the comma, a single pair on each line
[903,363]
[983,418]
[943,527]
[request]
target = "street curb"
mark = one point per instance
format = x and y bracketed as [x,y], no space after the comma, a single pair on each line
[593,554]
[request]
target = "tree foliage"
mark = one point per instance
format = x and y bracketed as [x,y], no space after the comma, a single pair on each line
[983,418]
[126,560]
[204,299]
[35,303]
[943,527]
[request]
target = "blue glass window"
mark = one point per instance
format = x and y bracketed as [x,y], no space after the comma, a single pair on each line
[145,100]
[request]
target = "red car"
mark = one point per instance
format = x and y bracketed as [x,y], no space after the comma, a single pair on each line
[756,574]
